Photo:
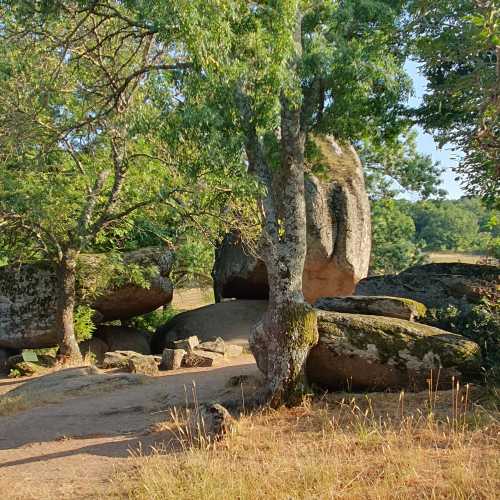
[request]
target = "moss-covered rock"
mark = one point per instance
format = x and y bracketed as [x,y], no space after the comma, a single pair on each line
[393,307]
[115,286]
[374,352]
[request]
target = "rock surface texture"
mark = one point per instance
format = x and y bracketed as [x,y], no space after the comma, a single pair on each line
[437,285]
[122,338]
[377,353]
[132,361]
[209,422]
[28,293]
[231,321]
[392,307]
[338,234]
[171,359]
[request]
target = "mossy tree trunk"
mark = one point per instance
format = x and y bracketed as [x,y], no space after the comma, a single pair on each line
[288,331]
[69,352]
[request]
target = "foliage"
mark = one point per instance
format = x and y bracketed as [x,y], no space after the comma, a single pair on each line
[151,321]
[394,246]
[458,44]
[396,166]
[402,230]
[446,227]
[480,323]
[82,319]
[194,262]
[458,225]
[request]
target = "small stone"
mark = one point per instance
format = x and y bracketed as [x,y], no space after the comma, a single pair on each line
[209,354]
[193,360]
[144,365]
[116,359]
[233,350]
[187,344]
[28,368]
[216,345]
[172,359]
[210,422]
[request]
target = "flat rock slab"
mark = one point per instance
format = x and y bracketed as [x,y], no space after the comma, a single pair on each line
[362,352]
[80,381]
[437,285]
[392,307]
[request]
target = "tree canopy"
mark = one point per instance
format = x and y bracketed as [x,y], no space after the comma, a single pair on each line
[458,44]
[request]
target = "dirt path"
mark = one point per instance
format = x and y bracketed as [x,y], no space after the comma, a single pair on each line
[73,448]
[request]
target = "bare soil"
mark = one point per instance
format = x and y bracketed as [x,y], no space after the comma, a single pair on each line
[74,448]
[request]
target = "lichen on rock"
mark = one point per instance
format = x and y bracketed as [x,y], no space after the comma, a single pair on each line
[376,352]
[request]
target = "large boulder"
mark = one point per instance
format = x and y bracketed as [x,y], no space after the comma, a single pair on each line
[338,234]
[232,321]
[121,338]
[437,285]
[392,307]
[365,352]
[117,287]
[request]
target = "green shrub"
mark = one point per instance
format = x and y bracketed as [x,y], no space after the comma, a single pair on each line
[151,321]
[82,320]
[480,323]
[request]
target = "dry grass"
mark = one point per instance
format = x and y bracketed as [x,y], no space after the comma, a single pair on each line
[383,446]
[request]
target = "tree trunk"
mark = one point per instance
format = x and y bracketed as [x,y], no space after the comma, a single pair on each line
[69,352]
[289,330]
[282,341]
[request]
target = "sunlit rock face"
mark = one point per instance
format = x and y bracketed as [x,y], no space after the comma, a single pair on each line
[338,234]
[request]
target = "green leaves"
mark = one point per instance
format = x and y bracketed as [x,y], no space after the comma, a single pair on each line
[457,42]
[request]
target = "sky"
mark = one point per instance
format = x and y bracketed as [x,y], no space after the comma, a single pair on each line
[426,144]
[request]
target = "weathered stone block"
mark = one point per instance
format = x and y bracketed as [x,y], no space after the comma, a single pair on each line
[377,353]
[195,359]
[187,344]
[216,345]
[145,365]
[172,359]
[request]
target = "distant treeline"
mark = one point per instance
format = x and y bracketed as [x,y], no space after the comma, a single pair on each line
[403,230]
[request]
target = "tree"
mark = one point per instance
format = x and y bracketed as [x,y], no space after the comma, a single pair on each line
[445,226]
[394,245]
[85,152]
[397,165]
[458,44]
[273,74]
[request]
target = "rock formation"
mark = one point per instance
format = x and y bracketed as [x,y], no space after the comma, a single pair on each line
[437,285]
[121,338]
[392,307]
[338,234]
[232,321]
[377,353]
[111,286]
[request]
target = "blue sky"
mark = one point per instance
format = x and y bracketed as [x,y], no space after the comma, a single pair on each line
[446,156]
